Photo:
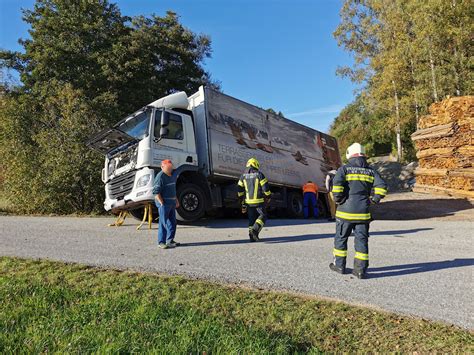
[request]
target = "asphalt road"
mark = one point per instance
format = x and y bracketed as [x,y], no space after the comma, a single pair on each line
[418,267]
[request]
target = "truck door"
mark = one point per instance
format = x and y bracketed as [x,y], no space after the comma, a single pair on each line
[175,144]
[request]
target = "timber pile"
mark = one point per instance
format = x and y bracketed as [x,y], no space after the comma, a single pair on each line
[445,148]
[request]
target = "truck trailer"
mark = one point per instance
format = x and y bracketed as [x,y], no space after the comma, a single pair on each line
[209,136]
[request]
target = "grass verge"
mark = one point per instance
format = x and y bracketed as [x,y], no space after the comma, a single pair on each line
[49,306]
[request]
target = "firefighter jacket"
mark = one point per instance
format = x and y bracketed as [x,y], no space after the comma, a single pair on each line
[352,190]
[254,185]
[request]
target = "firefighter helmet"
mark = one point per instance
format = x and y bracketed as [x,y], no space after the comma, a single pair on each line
[252,162]
[355,150]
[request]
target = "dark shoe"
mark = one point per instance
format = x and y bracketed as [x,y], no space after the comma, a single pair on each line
[163,246]
[359,274]
[339,270]
[252,236]
[174,244]
[331,220]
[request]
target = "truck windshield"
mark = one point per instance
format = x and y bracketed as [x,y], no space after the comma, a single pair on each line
[137,126]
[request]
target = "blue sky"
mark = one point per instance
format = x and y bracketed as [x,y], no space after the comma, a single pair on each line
[271,53]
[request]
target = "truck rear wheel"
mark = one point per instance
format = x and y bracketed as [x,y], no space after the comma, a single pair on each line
[192,203]
[322,208]
[295,205]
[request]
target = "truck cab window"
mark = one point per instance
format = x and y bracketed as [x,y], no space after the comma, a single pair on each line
[175,127]
[137,126]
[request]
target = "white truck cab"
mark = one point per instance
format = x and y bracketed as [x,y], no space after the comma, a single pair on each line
[135,147]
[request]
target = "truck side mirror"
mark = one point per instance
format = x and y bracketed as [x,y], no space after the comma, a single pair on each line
[165,118]
[163,132]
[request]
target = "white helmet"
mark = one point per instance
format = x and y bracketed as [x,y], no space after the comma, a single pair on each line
[355,149]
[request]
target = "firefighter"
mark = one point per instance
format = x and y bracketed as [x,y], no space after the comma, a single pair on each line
[254,193]
[352,187]
[310,197]
[332,204]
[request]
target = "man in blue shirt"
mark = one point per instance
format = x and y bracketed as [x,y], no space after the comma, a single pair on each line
[164,189]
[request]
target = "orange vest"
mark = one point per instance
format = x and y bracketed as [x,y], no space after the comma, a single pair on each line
[310,187]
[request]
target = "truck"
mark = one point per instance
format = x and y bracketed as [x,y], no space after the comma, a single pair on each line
[209,136]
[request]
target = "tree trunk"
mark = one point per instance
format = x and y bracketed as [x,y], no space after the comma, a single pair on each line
[433,76]
[415,92]
[456,74]
[397,126]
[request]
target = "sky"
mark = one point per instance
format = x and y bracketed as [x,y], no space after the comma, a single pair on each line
[270,53]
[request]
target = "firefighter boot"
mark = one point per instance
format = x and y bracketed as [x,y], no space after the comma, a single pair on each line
[360,267]
[252,235]
[339,270]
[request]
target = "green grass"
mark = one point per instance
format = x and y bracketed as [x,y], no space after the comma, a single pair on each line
[55,307]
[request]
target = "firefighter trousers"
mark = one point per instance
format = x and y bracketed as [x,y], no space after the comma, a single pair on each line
[361,244]
[257,218]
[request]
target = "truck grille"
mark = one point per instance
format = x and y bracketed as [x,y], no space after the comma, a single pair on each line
[121,185]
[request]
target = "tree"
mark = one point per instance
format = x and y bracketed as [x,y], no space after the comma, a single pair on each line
[407,54]
[84,66]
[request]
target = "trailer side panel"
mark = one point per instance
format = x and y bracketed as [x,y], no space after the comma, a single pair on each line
[289,153]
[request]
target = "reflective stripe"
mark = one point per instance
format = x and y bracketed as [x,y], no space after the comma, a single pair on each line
[240,183]
[259,221]
[339,252]
[380,191]
[240,193]
[337,188]
[264,181]
[255,190]
[267,192]
[254,200]
[353,216]
[246,190]
[361,256]
[360,177]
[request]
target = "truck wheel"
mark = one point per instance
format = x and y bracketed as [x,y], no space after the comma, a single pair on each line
[192,203]
[295,205]
[322,208]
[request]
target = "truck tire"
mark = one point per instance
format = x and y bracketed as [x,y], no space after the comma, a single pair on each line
[294,205]
[192,202]
[322,208]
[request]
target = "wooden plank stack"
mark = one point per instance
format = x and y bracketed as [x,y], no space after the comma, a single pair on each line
[445,148]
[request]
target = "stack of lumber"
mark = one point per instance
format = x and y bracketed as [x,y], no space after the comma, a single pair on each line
[445,148]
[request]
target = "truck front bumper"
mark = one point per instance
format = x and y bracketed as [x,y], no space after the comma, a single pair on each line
[134,196]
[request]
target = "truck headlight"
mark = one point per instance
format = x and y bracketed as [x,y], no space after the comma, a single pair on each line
[143,180]
[111,167]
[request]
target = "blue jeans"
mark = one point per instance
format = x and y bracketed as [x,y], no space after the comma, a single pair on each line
[167,225]
[309,198]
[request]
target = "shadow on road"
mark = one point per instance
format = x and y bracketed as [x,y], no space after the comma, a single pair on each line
[399,270]
[400,233]
[298,238]
[265,240]
[419,208]
[240,222]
